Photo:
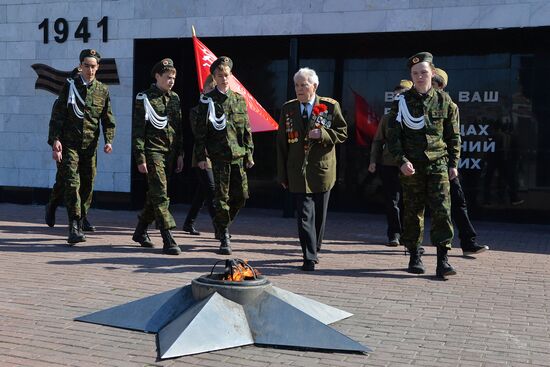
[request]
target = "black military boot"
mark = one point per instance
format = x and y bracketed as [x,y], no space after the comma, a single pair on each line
[225,243]
[415,262]
[75,235]
[189,227]
[86,226]
[443,267]
[141,236]
[170,246]
[50,215]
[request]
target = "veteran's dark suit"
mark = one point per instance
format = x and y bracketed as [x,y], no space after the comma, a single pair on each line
[311,190]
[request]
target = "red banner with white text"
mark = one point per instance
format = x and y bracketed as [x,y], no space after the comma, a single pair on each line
[260,120]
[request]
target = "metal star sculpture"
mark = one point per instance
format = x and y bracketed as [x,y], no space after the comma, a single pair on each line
[190,322]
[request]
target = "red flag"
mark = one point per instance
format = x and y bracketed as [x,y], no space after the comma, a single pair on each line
[366,121]
[260,120]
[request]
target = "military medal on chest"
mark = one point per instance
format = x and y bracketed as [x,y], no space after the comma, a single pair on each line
[292,135]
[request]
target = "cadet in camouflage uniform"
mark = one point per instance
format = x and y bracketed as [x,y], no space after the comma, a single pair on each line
[56,196]
[157,141]
[424,138]
[459,207]
[227,137]
[205,188]
[382,161]
[84,102]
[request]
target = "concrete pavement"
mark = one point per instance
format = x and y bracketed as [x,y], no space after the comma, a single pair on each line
[495,312]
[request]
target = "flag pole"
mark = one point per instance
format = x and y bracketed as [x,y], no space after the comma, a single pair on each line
[197,62]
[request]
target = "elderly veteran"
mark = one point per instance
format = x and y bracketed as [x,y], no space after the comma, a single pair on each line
[310,126]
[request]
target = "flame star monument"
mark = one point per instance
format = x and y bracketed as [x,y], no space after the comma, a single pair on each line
[212,314]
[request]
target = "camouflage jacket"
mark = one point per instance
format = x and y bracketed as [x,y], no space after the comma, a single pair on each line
[379,152]
[146,137]
[320,175]
[232,142]
[440,137]
[84,133]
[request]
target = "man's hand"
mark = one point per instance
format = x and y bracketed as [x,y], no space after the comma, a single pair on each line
[407,169]
[315,134]
[372,167]
[284,185]
[57,147]
[142,168]
[202,165]
[453,173]
[179,164]
[57,156]
[107,148]
[249,164]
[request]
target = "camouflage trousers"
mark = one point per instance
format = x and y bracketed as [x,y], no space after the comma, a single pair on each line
[58,192]
[157,203]
[231,191]
[428,186]
[78,175]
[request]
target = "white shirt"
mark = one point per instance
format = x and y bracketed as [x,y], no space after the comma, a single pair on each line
[84,81]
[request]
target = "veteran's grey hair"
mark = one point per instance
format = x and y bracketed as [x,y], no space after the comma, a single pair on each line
[309,74]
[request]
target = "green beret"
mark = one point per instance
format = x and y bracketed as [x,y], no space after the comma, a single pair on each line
[89,53]
[420,57]
[161,66]
[222,60]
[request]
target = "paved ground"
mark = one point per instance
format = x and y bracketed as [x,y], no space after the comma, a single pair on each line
[495,312]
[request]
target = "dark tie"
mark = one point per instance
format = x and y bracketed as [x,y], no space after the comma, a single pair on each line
[305,117]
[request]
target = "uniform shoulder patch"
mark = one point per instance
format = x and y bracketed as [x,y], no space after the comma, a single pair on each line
[289,102]
[327,99]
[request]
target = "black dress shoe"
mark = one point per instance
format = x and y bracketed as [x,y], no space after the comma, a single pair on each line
[50,215]
[473,249]
[308,265]
[86,226]
[393,242]
[190,228]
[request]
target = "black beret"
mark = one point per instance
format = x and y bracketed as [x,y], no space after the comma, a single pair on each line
[161,66]
[89,53]
[222,60]
[420,57]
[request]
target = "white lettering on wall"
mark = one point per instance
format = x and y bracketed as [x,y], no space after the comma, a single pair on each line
[489,96]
